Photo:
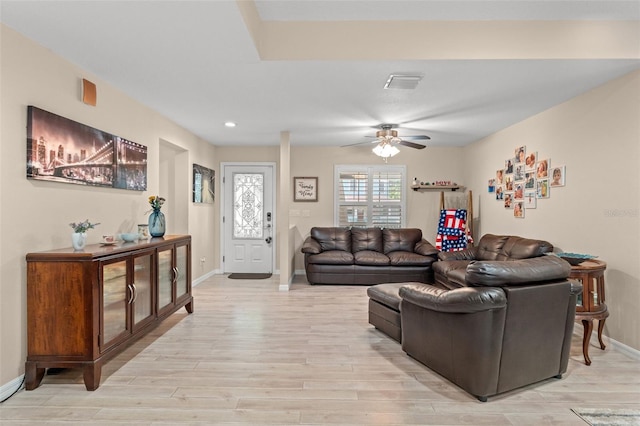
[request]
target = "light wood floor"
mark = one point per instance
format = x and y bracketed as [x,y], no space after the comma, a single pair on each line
[254,355]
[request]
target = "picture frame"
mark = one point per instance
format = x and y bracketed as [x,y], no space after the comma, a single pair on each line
[542,188]
[305,188]
[530,161]
[518,209]
[530,199]
[65,151]
[203,184]
[542,168]
[557,176]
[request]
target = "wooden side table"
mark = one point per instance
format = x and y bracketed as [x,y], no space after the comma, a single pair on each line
[591,303]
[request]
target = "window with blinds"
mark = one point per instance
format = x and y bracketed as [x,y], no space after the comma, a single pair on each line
[369,196]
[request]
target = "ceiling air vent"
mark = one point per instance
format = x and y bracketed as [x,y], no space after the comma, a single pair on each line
[402,81]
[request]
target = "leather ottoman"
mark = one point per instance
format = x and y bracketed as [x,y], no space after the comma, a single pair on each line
[384,308]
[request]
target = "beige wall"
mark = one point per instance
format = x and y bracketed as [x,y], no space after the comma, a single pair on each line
[34,215]
[597,137]
[422,206]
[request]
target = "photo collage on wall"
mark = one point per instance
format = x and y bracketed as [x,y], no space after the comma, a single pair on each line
[525,179]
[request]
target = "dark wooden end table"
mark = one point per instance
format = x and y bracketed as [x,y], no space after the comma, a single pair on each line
[591,303]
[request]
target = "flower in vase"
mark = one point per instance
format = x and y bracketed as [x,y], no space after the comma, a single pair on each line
[156,202]
[82,227]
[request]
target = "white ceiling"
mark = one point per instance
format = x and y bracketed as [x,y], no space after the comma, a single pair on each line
[196,62]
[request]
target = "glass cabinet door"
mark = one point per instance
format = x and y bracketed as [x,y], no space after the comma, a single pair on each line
[115,298]
[165,278]
[142,286]
[181,267]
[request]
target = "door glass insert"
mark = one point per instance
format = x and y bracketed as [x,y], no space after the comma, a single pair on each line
[114,299]
[165,278]
[143,302]
[248,205]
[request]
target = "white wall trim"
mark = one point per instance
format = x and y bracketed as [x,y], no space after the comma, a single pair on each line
[287,287]
[204,277]
[10,387]
[594,344]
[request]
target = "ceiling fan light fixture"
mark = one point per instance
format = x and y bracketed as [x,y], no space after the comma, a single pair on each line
[385,150]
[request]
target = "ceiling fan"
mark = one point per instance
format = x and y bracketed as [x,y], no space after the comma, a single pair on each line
[387,138]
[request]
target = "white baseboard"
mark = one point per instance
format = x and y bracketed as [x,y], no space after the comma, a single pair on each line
[11,387]
[609,342]
[203,278]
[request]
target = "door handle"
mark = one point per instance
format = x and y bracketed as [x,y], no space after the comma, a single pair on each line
[131,294]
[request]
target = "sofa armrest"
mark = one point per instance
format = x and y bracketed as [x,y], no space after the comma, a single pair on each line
[311,246]
[466,254]
[517,272]
[425,248]
[460,300]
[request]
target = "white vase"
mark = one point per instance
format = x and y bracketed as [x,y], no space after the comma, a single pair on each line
[78,240]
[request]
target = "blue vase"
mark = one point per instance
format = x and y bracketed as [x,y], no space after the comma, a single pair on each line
[156,223]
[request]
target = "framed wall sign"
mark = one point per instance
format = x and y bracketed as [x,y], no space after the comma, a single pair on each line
[305,189]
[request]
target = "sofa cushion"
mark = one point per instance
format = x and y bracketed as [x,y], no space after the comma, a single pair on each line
[524,248]
[523,271]
[508,247]
[458,278]
[369,257]
[490,247]
[332,238]
[407,258]
[331,257]
[404,239]
[366,239]
[388,294]
[444,267]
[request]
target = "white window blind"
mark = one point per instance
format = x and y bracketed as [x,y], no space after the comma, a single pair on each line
[370,196]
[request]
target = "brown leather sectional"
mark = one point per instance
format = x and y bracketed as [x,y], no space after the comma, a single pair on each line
[500,315]
[366,256]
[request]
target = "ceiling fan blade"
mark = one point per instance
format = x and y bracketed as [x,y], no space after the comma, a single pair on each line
[358,143]
[411,144]
[417,137]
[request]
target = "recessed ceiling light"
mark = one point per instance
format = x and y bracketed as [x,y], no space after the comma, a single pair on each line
[230,124]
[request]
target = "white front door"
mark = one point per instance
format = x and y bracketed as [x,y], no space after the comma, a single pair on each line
[248,218]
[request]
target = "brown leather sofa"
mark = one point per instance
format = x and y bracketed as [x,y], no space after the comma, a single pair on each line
[334,255]
[450,271]
[508,326]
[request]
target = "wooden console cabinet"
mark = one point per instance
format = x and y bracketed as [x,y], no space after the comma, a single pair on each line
[84,307]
